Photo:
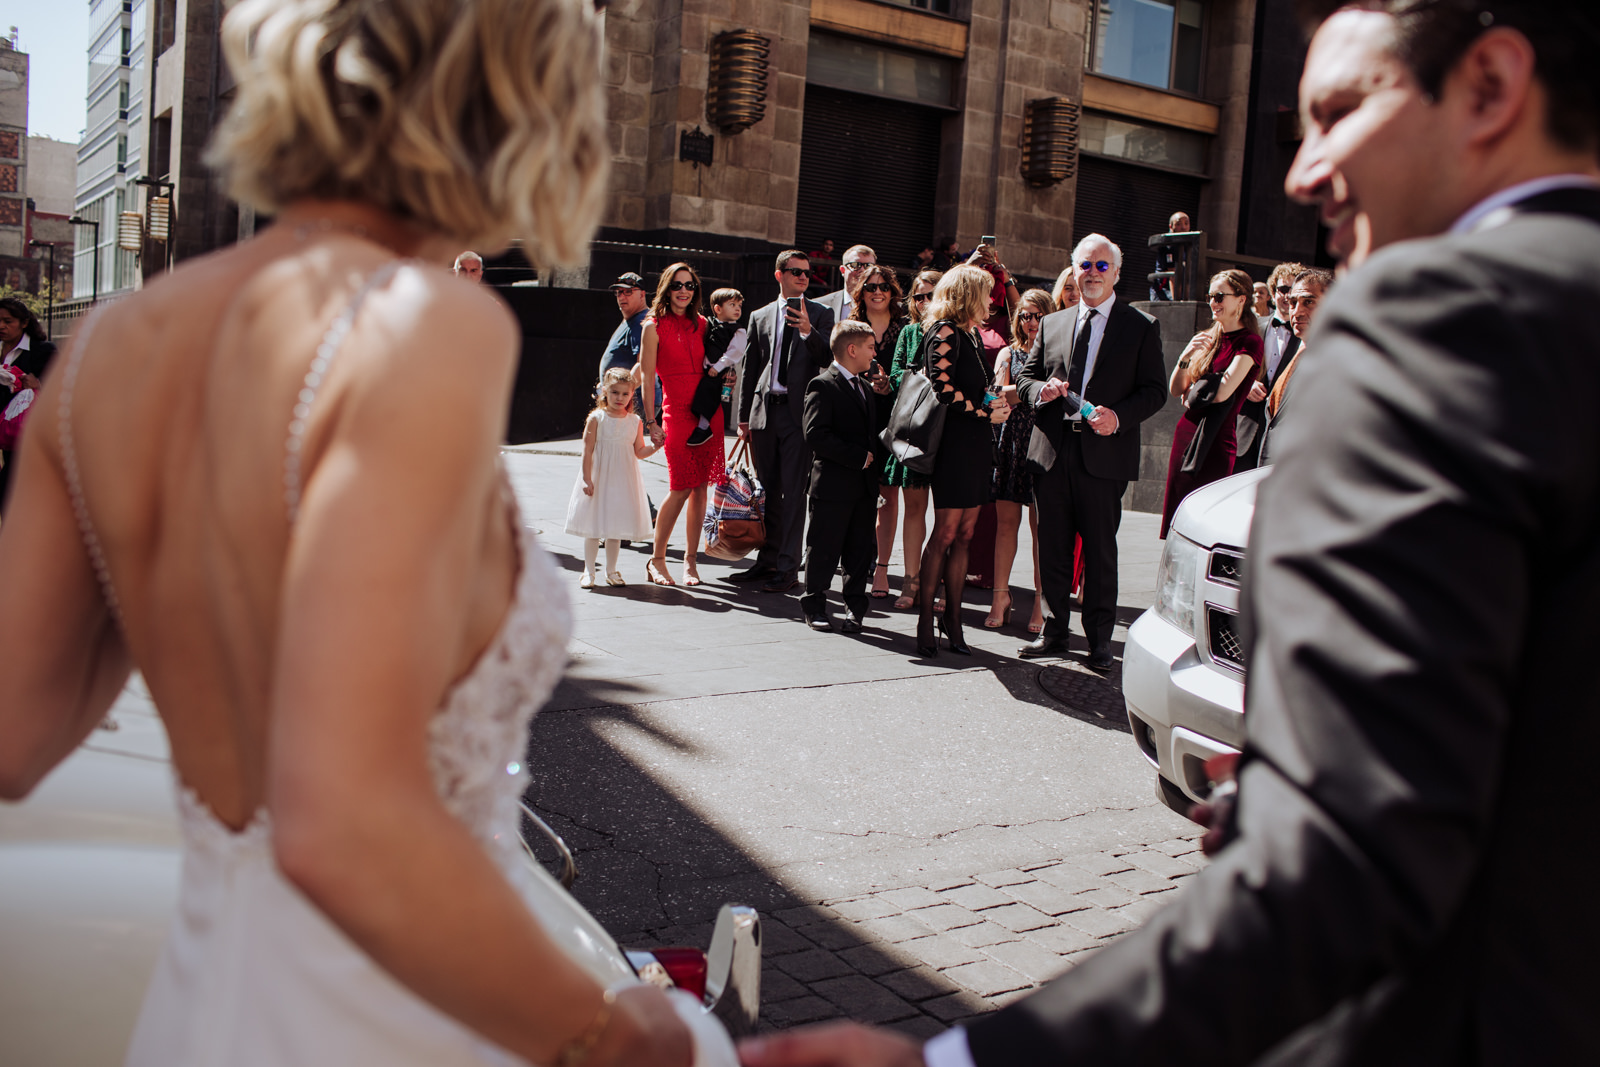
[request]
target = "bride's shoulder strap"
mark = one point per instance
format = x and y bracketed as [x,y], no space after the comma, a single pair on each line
[69,463]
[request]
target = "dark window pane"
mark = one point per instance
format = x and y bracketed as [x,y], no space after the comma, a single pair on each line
[1186,61]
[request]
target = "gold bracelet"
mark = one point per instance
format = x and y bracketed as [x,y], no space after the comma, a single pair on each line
[576,1051]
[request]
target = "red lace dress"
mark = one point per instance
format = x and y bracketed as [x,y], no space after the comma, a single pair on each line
[680,355]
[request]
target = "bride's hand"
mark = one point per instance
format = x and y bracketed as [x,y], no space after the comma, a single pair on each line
[644,1031]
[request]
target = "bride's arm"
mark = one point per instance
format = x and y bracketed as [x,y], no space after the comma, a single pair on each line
[382,567]
[62,660]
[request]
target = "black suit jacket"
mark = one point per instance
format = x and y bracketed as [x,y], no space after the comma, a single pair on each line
[36,360]
[806,358]
[841,434]
[1252,419]
[1421,708]
[1128,378]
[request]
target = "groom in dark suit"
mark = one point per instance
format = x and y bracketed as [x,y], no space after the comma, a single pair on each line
[1421,712]
[1110,354]
[844,415]
[788,346]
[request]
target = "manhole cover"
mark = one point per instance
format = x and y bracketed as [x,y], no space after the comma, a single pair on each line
[1092,697]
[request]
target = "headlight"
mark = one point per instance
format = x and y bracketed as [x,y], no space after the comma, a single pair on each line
[1176,581]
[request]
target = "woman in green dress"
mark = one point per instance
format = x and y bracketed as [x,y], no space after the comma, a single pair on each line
[897,480]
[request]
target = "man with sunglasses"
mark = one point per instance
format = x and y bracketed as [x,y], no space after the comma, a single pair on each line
[1278,346]
[787,348]
[1110,354]
[856,259]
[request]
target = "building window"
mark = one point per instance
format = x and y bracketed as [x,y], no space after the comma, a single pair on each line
[122,148]
[1152,146]
[127,45]
[938,7]
[878,70]
[1155,42]
[122,98]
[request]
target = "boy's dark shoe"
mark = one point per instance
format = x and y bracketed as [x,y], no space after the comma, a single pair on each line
[699,435]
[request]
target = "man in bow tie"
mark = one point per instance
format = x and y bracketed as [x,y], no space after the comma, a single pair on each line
[1278,346]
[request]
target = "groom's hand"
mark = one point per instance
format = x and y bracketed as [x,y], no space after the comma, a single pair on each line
[831,1045]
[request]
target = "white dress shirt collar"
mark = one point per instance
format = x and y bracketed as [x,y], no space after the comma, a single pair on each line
[1479,215]
[1104,310]
[842,369]
[15,354]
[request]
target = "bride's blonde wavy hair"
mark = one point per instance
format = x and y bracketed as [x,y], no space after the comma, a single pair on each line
[482,119]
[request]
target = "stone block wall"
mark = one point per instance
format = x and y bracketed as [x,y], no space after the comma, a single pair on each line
[658,68]
[1179,322]
[13,147]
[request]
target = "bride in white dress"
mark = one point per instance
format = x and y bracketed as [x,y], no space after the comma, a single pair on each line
[270,482]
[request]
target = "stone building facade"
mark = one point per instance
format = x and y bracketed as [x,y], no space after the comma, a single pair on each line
[17,269]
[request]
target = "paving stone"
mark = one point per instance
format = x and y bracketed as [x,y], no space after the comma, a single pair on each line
[1047,898]
[956,1006]
[1017,918]
[1141,882]
[813,965]
[919,1027]
[1006,877]
[1160,864]
[873,960]
[1108,896]
[1098,922]
[778,940]
[1007,998]
[895,928]
[1062,939]
[807,1009]
[1068,876]
[805,915]
[1178,846]
[986,978]
[911,898]
[864,908]
[1099,863]
[835,937]
[977,897]
[941,951]
[983,935]
[1140,910]
[776,986]
[863,999]
[947,917]
[917,983]
[1028,959]
[942,884]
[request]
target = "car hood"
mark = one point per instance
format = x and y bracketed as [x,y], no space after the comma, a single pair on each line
[1220,513]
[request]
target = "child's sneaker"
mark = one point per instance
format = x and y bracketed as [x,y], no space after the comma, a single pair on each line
[699,436]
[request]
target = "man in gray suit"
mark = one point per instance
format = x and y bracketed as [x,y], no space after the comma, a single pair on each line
[1421,713]
[788,346]
[856,259]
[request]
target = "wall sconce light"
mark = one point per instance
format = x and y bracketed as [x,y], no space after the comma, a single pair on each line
[1049,140]
[736,91]
[130,231]
[160,217]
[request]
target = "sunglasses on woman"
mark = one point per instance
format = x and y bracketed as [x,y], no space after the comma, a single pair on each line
[876,287]
[1216,297]
[1028,316]
[920,297]
[673,287]
[1100,265]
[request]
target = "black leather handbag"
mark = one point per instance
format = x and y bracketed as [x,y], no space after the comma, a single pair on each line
[916,422]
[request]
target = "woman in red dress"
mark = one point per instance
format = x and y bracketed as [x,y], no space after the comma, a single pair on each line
[1230,353]
[673,346]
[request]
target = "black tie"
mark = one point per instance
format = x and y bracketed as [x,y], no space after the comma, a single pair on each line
[1080,353]
[861,391]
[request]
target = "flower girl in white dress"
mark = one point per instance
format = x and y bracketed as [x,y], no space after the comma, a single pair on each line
[608,501]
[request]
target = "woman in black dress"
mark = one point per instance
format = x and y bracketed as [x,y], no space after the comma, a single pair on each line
[964,464]
[877,301]
[1013,481]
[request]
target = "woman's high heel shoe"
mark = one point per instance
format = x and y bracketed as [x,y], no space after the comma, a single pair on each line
[927,643]
[998,616]
[909,591]
[950,626]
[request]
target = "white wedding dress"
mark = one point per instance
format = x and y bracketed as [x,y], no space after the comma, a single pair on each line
[252,974]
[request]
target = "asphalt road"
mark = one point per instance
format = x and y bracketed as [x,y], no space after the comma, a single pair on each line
[926,838]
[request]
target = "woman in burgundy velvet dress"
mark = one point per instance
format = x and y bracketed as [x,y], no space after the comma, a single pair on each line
[1230,354]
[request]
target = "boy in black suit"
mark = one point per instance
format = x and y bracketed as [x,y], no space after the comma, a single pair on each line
[843,417]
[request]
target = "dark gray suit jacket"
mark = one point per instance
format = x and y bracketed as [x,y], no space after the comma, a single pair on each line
[806,359]
[842,432]
[1128,378]
[1416,797]
[834,302]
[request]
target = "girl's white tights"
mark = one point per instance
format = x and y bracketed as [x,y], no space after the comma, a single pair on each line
[591,549]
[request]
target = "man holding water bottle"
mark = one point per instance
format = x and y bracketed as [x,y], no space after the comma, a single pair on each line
[1095,373]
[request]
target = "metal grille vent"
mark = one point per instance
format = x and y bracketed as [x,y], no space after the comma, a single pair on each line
[1226,567]
[1049,140]
[1226,647]
[736,90]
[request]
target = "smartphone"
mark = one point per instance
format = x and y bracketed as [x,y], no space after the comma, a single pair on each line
[988,240]
[793,303]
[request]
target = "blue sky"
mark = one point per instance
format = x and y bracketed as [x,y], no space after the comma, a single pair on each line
[55,34]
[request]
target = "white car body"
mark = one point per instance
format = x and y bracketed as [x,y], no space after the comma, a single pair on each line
[89,867]
[1183,665]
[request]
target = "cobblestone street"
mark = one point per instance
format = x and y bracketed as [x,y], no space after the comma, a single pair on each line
[926,839]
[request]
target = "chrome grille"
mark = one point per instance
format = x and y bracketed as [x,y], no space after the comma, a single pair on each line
[1226,567]
[1223,628]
